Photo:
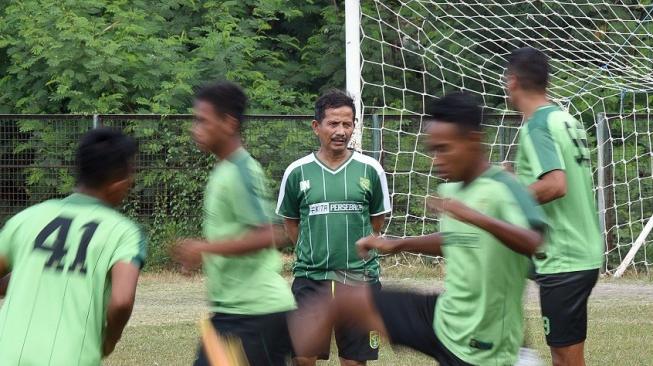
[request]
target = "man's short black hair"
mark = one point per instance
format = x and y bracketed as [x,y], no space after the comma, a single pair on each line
[459,108]
[104,155]
[531,68]
[333,98]
[225,97]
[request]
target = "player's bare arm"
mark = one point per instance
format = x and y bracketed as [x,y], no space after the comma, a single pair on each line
[377,223]
[188,252]
[292,229]
[124,277]
[4,266]
[426,244]
[550,186]
[521,240]
[4,284]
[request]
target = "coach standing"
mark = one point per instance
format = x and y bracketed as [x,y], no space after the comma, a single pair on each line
[330,199]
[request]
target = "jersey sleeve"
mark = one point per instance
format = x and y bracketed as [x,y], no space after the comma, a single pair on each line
[249,198]
[543,151]
[132,247]
[288,201]
[380,200]
[518,207]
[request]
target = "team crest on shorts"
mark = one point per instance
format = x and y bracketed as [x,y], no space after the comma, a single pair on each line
[365,183]
[374,339]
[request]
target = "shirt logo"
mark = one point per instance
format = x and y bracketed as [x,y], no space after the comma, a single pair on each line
[324,208]
[304,185]
[374,339]
[365,183]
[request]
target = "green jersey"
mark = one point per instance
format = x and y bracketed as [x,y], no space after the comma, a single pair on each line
[60,253]
[236,201]
[334,209]
[553,140]
[478,317]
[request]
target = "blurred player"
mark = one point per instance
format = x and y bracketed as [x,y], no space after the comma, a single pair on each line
[553,159]
[490,225]
[74,264]
[248,296]
[330,199]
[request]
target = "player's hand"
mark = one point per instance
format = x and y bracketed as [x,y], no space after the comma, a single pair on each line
[383,246]
[453,208]
[188,253]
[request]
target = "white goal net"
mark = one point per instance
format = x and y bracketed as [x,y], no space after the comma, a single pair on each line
[601,55]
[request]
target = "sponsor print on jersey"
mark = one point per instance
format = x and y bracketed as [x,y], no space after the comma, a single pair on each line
[324,208]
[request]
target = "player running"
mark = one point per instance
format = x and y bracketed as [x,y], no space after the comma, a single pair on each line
[248,296]
[490,225]
[74,263]
[330,199]
[553,159]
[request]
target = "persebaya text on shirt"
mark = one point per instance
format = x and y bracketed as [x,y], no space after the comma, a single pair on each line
[324,208]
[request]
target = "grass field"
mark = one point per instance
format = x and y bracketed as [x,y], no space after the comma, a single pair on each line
[163,329]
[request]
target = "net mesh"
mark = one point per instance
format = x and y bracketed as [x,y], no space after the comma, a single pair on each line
[601,56]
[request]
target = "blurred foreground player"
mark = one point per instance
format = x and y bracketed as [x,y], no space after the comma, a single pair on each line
[74,264]
[248,296]
[490,226]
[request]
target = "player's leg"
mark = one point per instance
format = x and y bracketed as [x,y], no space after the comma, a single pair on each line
[404,318]
[570,355]
[408,318]
[202,358]
[308,293]
[304,361]
[262,339]
[355,346]
[563,299]
[275,339]
[311,325]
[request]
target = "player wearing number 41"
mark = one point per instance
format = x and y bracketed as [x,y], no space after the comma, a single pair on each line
[489,227]
[74,264]
[553,160]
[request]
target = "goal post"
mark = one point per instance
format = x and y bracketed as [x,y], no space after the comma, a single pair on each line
[403,53]
[353,66]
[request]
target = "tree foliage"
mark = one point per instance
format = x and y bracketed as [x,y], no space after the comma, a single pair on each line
[140,56]
[93,56]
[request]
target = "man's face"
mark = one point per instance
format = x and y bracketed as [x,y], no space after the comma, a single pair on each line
[336,128]
[210,128]
[454,150]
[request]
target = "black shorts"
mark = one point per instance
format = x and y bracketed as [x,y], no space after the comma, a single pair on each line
[265,338]
[408,319]
[563,299]
[353,344]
